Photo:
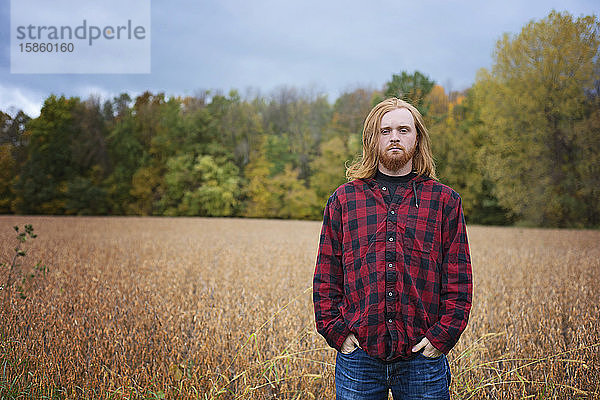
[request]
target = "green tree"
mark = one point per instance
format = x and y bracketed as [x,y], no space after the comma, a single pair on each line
[457,141]
[156,133]
[90,159]
[349,112]
[178,181]
[260,200]
[301,118]
[67,160]
[274,188]
[201,186]
[235,128]
[13,153]
[341,143]
[587,134]
[126,154]
[13,132]
[533,102]
[412,88]
[215,191]
[7,172]
[277,149]
[439,103]
[43,182]
[329,169]
[294,199]
[283,195]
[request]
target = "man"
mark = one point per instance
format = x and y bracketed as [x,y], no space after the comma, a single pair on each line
[392,286]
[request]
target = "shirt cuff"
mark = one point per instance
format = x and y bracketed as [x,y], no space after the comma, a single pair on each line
[439,339]
[337,335]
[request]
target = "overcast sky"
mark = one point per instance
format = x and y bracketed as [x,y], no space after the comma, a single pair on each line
[322,46]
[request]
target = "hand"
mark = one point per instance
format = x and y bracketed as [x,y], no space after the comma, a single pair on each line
[350,343]
[429,352]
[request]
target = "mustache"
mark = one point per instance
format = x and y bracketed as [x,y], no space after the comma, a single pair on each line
[397,146]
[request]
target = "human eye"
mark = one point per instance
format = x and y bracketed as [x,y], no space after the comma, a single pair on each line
[385,131]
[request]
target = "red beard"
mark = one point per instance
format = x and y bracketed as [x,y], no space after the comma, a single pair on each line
[395,161]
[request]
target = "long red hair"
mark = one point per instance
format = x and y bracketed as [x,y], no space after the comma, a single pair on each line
[366,166]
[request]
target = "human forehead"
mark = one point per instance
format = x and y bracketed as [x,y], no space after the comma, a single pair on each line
[397,117]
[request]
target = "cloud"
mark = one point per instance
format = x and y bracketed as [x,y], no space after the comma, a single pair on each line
[235,44]
[13,99]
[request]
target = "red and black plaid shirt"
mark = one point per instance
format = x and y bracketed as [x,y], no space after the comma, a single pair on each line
[393,274]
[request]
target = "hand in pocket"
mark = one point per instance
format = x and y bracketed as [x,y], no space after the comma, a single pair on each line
[350,344]
[429,351]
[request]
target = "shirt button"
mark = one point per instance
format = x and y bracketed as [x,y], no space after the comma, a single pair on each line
[391,239]
[390,320]
[392,212]
[390,265]
[390,294]
[384,188]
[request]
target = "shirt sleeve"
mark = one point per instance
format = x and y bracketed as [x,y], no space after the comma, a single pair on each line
[457,285]
[328,281]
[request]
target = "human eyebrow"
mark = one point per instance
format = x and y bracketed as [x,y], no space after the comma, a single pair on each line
[399,127]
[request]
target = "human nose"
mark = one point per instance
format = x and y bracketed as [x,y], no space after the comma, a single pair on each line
[395,135]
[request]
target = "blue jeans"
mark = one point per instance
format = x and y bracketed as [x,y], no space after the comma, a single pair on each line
[359,376]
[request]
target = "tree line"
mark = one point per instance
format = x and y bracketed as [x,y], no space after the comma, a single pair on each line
[522,145]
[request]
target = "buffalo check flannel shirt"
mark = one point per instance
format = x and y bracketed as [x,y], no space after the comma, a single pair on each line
[395,271]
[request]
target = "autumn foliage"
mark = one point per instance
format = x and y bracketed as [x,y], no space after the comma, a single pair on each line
[522,145]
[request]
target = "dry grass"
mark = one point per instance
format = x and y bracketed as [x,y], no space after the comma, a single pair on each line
[222,308]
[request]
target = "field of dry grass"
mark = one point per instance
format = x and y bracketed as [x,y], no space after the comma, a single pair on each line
[222,308]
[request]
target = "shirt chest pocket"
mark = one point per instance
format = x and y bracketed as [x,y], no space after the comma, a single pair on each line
[422,253]
[420,234]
